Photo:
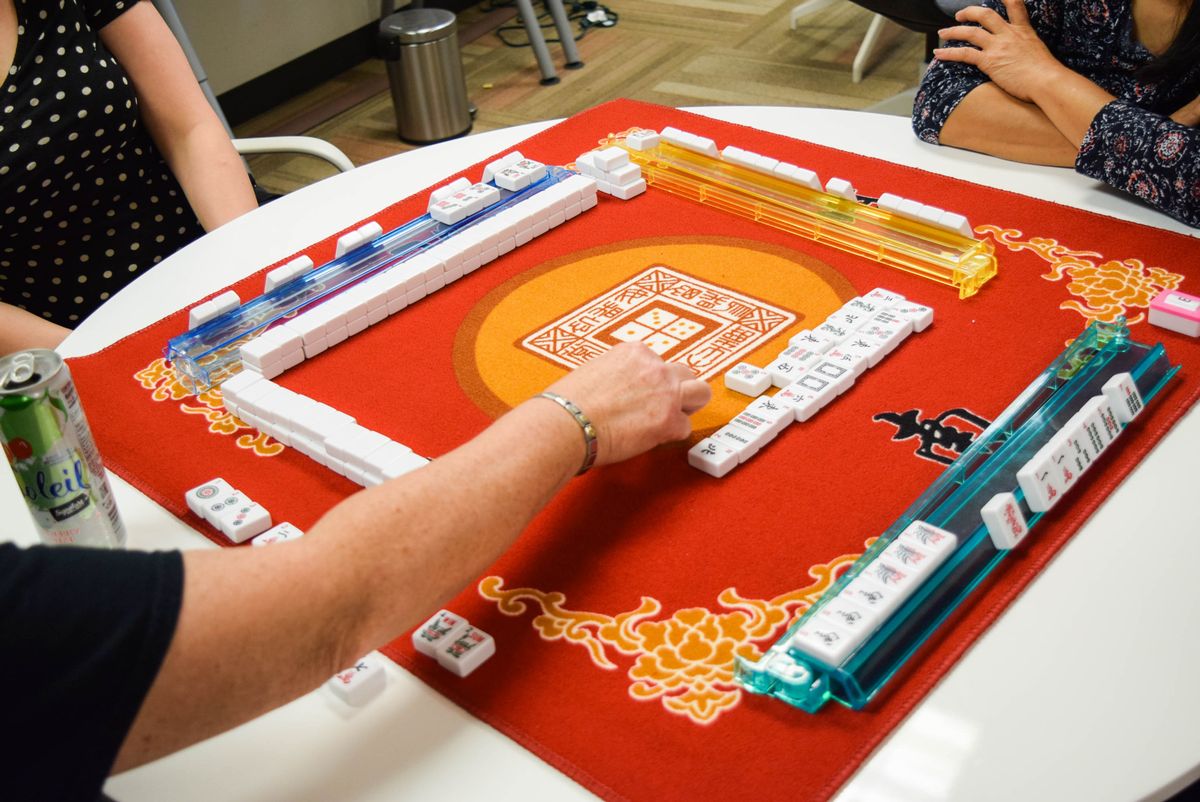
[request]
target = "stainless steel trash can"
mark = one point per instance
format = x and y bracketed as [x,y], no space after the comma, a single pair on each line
[429,93]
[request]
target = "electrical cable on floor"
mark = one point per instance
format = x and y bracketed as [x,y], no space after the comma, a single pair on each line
[588,14]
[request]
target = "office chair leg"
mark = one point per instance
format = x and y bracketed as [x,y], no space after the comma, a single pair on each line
[537,42]
[565,34]
[810,7]
[868,44]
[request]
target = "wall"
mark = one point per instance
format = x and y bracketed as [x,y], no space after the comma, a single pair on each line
[238,40]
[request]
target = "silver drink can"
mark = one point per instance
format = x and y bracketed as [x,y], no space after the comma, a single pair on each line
[50,448]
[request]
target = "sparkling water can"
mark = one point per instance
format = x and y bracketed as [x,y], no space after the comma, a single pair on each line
[50,448]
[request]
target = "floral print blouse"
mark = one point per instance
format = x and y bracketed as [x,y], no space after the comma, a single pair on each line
[1132,144]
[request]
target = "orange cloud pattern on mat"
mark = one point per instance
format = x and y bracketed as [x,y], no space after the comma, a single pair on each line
[684,661]
[164,385]
[1107,289]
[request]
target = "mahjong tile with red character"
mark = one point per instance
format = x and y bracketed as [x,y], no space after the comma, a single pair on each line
[466,652]
[442,626]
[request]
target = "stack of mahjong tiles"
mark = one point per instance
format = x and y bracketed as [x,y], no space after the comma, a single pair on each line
[451,640]
[317,430]
[385,293]
[845,620]
[818,365]
[615,174]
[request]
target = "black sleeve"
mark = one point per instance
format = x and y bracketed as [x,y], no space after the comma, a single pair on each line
[83,633]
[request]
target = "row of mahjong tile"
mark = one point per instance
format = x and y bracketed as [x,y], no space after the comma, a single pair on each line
[810,375]
[846,620]
[615,175]
[387,292]
[450,639]
[1057,466]
[905,207]
[318,431]
[237,516]
[227,301]
[461,199]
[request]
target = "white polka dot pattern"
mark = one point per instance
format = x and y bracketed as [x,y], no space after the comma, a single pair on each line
[86,200]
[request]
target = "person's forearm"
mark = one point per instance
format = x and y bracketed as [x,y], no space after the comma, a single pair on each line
[259,627]
[20,330]
[210,171]
[1070,101]
[991,121]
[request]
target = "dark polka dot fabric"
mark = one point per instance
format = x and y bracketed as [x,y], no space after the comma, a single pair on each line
[1132,143]
[87,203]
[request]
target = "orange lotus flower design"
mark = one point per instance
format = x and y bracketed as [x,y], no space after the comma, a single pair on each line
[1106,289]
[684,661]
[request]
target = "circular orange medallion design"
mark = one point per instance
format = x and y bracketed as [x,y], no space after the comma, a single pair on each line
[707,302]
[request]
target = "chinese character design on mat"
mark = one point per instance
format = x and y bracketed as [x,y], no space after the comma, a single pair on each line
[681,318]
[1106,289]
[684,661]
[164,385]
[941,438]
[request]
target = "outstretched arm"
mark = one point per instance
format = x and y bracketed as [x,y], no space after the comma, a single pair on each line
[182,124]
[385,558]
[20,330]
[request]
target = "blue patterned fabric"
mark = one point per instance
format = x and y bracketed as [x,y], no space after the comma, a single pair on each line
[1132,143]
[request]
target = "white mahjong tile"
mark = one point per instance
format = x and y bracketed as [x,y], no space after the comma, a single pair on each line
[588,199]
[642,140]
[850,319]
[201,497]
[586,164]
[804,402]
[842,188]
[242,520]
[536,170]
[237,384]
[832,332]
[839,373]
[849,615]
[557,218]
[377,314]
[747,379]
[632,332]
[890,319]
[466,651]
[784,370]
[624,175]
[541,225]
[907,554]
[370,231]
[385,455]
[610,158]
[1124,396]
[499,164]
[355,325]
[882,296]
[346,243]
[1004,520]
[826,642]
[361,682]
[855,360]
[759,427]
[315,346]
[807,340]
[891,574]
[401,464]
[428,638]
[777,414]
[866,592]
[441,193]
[448,211]
[354,443]
[824,387]
[860,304]
[712,457]
[871,349]
[1039,480]
[628,191]
[277,534]
[929,537]
[802,354]
[888,337]
[738,438]
[512,179]
[920,315]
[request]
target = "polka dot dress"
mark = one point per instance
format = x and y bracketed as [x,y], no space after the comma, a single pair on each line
[86,202]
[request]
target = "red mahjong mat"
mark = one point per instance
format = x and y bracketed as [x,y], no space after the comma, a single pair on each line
[618,613]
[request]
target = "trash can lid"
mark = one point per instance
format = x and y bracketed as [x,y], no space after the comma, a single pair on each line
[416,25]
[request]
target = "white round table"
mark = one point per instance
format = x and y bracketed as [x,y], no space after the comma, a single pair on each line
[1047,705]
